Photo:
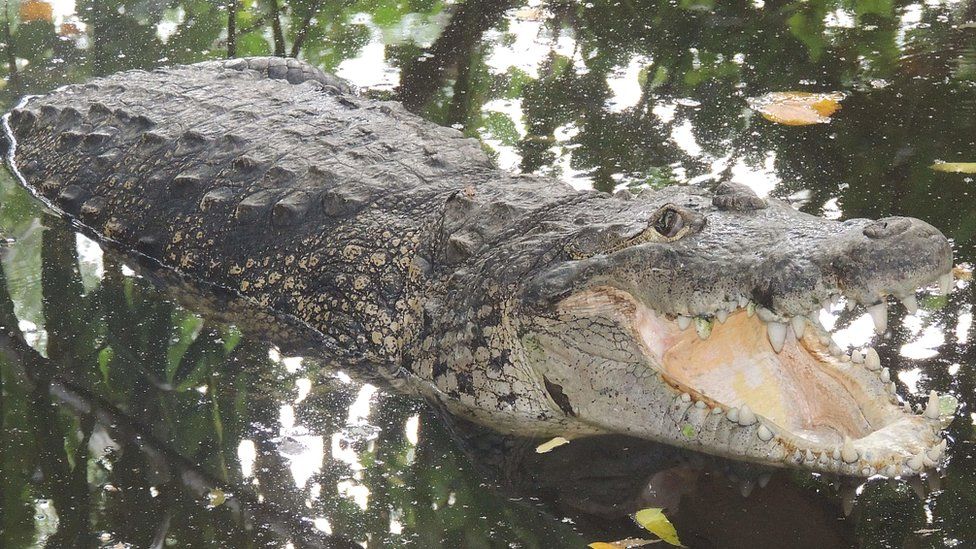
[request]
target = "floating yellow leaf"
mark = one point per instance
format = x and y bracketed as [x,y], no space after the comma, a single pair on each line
[548,446]
[35,10]
[795,108]
[954,167]
[962,272]
[622,544]
[654,521]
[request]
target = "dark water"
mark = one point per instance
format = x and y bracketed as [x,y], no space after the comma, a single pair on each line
[129,421]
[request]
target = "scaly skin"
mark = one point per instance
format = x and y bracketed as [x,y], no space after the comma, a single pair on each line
[514,300]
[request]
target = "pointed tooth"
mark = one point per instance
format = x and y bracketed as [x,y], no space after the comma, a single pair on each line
[945,284]
[764,433]
[718,410]
[733,415]
[704,327]
[799,324]
[777,335]
[892,388]
[746,488]
[857,356]
[722,315]
[847,452]
[879,314]
[890,471]
[910,303]
[684,322]
[871,359]
[685,397]
[743,302]
[932,408]
[746,416]
[809,455]
[850,305]
[834,300]
[915,462]
[836,454]
[885,375]
[700,404]
[750,309]
[935,453]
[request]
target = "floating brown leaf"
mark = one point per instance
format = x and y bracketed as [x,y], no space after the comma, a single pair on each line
[35,10]
[794,108]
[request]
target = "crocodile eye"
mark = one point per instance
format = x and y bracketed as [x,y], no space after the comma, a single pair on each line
[668,222]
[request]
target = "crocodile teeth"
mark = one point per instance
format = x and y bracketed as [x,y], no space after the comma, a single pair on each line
[848,453]
[733,415]
[750,309]
[871,359]
[684,322]
[777,335]
[910,303]
[857,357]
[722,315]
[892,388]
[764,433]
[890,471]
[879,314]
[885,375]
[915,462]
[685,397]
[703,327]
[935,452]
[932,408]
[746,416]
[799,325]
[945,284]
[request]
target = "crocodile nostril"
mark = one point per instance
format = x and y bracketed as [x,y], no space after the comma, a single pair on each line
[887,227]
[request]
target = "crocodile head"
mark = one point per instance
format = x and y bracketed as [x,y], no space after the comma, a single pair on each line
[692,319]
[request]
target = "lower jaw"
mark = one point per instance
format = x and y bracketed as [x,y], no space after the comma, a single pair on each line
[802,407]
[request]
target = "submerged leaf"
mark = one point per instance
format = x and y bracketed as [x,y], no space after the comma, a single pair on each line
[550,445]
[954,167]
[216,497]
[962,272]
[654,521]
[795,108]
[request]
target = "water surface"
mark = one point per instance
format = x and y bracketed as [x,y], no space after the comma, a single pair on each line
[130,420]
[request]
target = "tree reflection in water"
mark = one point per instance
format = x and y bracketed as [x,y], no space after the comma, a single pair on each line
[126,416]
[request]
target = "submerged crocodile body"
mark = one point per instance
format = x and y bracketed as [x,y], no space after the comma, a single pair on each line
[685,315]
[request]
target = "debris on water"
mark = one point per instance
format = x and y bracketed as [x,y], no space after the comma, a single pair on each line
[216,498]
[550,445]
[954,167]
[623,543]
[796,108]
[654,521]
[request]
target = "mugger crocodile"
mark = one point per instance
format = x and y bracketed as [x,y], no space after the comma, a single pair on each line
[684,315]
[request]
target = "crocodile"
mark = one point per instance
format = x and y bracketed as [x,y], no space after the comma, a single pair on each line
[684,315]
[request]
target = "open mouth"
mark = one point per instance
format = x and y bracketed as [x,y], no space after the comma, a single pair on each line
[779,393]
